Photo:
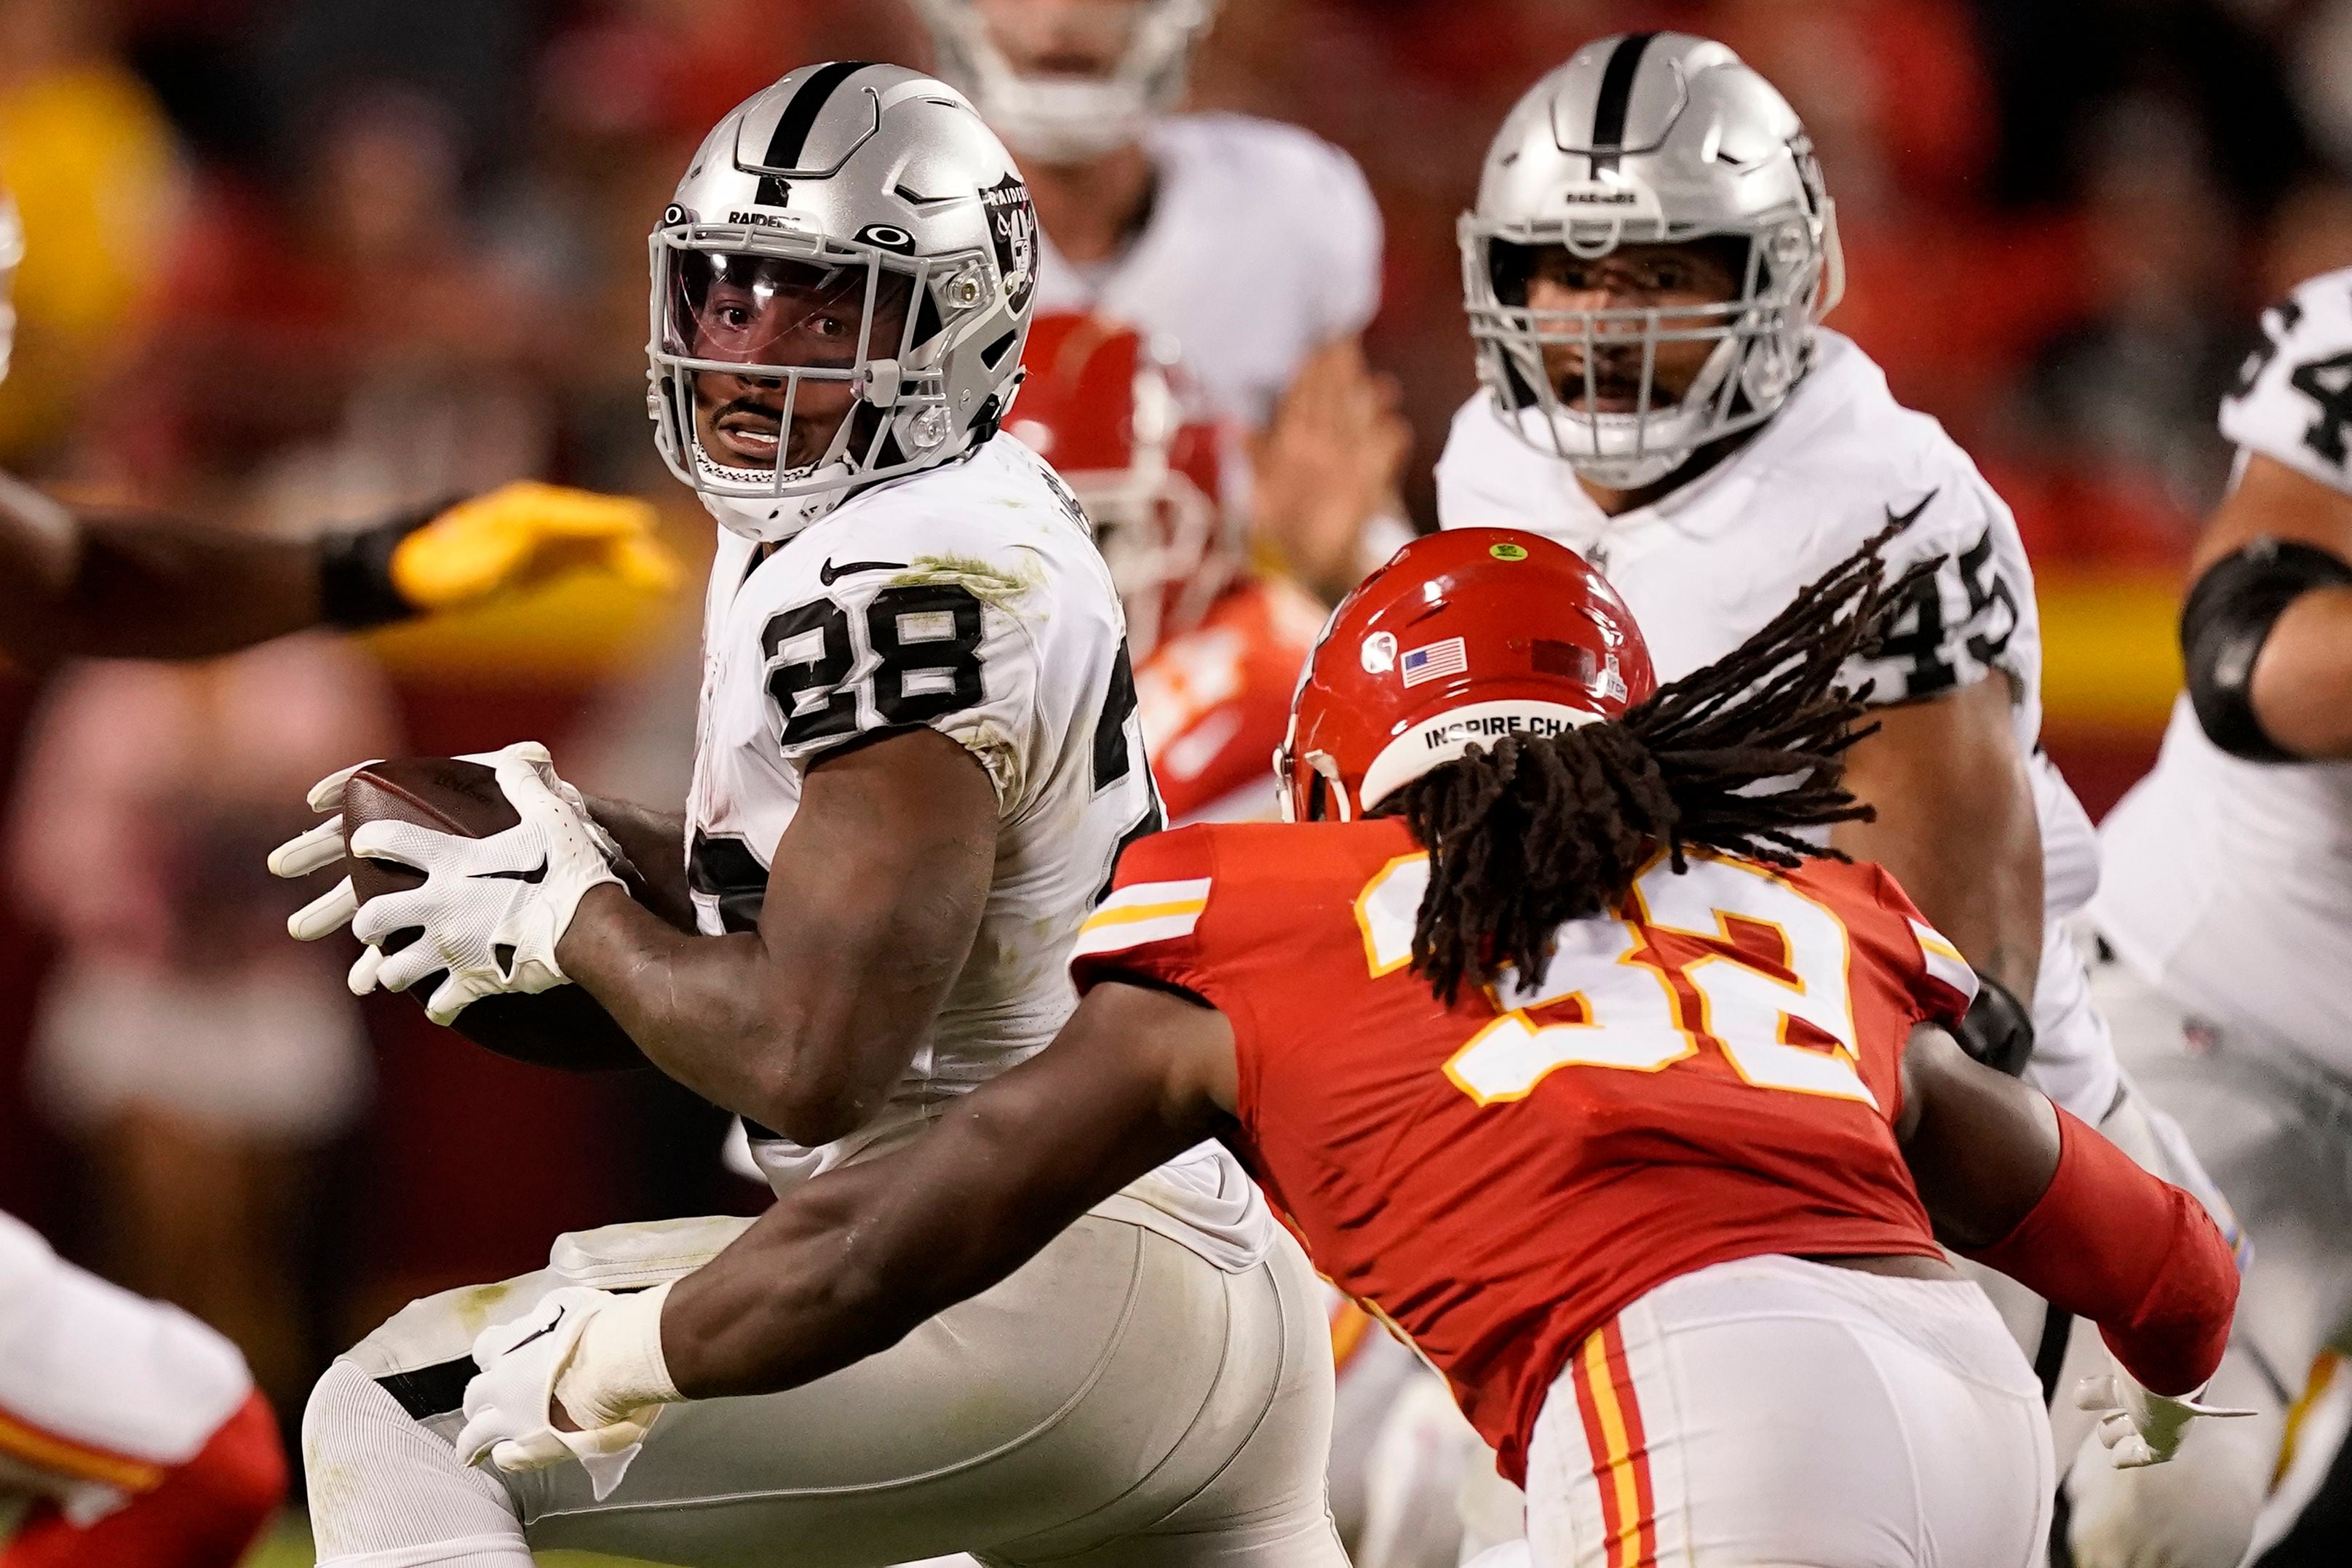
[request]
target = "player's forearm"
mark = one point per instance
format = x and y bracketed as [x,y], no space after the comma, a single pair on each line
[1955,825]
[846,1265]
[2302,690]
[826,1278]
[2139,1258]
[712,1012]
[655,842]
[127,589]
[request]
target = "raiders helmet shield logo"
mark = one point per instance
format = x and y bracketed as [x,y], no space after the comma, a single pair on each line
[1013,225]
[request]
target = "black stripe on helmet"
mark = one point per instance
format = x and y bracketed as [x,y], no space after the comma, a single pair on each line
[1616,97]
[792,126]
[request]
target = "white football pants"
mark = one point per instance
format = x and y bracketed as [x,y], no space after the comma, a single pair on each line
[2274,1131]
[1773,1411]
[1119,1400]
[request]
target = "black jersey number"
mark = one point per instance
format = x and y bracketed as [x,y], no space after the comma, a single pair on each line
[926,642]
[2287,314]
[2328,384]
[1119,757]
[1919,638]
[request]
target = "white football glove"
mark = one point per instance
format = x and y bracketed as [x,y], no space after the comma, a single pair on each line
[491,910]
[2139,1426]
[509,1405]
[323,846]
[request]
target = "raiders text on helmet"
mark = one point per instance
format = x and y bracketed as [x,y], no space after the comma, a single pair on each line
[1655,137]
[1071,118]
[852,238]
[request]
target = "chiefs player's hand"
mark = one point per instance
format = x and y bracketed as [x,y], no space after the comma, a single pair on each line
[514,1420]
[2139,1426]
[1327,466]
[524,533]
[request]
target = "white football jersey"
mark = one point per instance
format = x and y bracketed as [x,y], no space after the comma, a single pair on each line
[970,599]
[2229,882]
[100,1391]
[1709,566]
[1263,244]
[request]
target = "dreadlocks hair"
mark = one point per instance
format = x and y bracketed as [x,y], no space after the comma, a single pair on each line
[1740,756]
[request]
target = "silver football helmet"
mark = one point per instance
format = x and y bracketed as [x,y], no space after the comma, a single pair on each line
[1057,117]
[1655,137]
[12,252]
[841,289]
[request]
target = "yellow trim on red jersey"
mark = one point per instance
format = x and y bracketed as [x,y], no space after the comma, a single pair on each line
[47,1451]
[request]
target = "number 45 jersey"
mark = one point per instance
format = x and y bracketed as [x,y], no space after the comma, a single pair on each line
[1712,562]
[1711,1072]
[968,599]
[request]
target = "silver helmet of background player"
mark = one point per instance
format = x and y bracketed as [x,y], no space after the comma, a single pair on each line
[1649,138]
[1061,117]
[853,234]
[12,252]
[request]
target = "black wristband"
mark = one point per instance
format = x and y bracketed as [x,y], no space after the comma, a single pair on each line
[2223,626]
[355,588]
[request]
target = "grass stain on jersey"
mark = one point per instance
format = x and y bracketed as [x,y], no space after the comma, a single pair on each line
[997,751]
[986,581]
[473,1307]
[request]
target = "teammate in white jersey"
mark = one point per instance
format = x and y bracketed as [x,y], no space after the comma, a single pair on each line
[2226,911]
[1651,255]
[1254,244]
[917,762]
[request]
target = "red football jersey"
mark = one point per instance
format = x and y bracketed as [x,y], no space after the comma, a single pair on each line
[1216,701]
[1711,1072]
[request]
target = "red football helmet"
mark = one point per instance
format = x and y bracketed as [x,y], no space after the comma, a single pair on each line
[1113,411]
[1462,637]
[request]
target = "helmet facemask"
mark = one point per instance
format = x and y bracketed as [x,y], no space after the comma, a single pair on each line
[1790,275]
[1068,116]
[792,368]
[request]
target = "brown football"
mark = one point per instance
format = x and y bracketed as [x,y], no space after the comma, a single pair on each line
[564,1027]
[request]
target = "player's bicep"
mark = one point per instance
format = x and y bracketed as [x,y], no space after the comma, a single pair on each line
[1933,763]
[874,898]
[2273,500]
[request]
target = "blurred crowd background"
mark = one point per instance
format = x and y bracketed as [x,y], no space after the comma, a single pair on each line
[302,260]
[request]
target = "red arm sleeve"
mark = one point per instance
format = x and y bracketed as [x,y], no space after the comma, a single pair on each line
[2142,1259]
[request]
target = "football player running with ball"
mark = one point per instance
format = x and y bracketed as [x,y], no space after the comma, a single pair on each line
[918,761]
[2227,886]
[1564,1051]
[1645,270]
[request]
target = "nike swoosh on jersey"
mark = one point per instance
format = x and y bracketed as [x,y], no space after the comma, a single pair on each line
[1898,521]
[829,574]
[536,875]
